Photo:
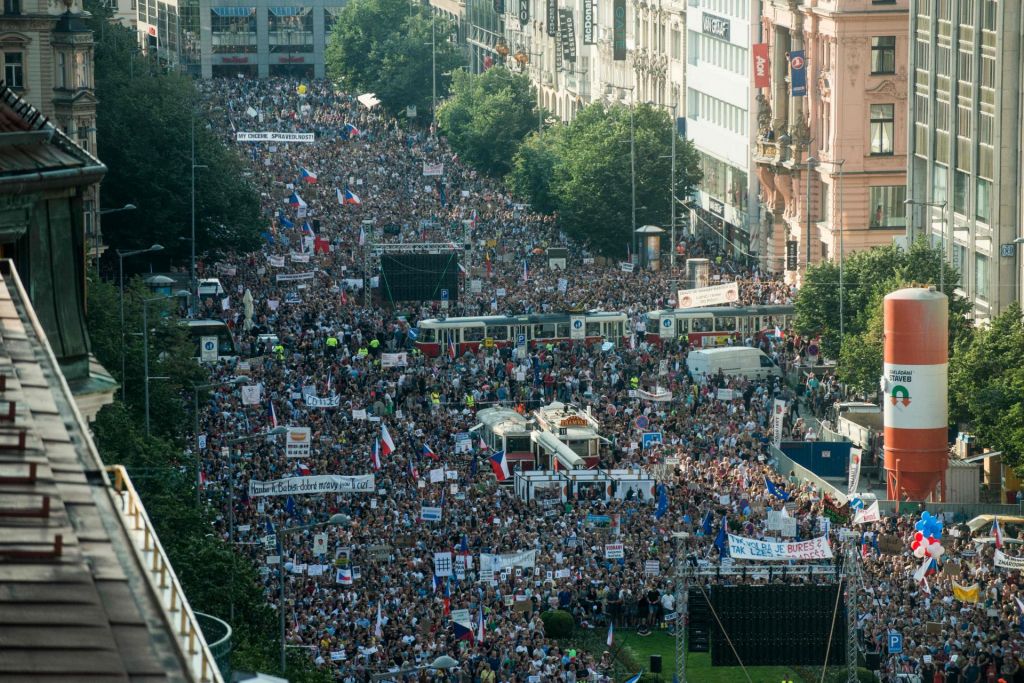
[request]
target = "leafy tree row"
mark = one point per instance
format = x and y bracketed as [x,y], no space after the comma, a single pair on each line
[144,123]
[582,171]
[394,49]
[163,470]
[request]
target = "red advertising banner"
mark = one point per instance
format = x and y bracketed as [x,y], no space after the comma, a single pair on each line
[762,67]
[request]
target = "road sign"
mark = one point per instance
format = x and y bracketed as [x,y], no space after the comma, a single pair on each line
[895,643]
[521,340]
[209,352]
[444,295]
[667,328]
[651,439]
[641,422]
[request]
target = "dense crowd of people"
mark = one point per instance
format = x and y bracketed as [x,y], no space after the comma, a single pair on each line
[369,600]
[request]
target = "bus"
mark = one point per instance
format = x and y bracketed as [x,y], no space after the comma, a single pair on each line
[716,325]
[447,335]
[216,329]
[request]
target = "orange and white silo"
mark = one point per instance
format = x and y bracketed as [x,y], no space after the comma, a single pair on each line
[914,388]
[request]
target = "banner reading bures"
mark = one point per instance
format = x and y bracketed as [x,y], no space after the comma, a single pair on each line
[751,549]
[324,483]
[268,136]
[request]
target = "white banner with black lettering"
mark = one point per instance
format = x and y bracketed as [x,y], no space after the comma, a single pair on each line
[323,483]
[1007,562]
[269,136]
[708,296]
[294,277]
[314,401]
[751,549]
[497,563]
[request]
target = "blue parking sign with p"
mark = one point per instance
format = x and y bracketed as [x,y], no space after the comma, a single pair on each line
[444,295]
[521,340]
[895,643]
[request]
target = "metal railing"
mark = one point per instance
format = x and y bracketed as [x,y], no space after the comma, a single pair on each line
[177,611]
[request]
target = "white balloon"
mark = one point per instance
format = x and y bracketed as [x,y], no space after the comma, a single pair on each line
[920,551]
[936,550]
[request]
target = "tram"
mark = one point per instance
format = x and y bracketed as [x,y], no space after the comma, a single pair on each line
[716,325]
[458,335]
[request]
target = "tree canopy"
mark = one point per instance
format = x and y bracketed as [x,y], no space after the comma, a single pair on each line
[582,171]
[390,47]
[488,116]
[144,122]
[867,277]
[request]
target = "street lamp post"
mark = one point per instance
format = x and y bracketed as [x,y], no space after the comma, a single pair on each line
[192,259]
[96,227]
[145,353]
[942,236]
[334,520]
[241,379]
[811,163]
[121,256]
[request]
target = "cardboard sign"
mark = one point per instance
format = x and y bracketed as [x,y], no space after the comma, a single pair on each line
[889,544]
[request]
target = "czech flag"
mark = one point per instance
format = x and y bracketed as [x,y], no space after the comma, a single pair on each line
[500,465]
[303,469]
[351,130]
[387,443]
[375,456]
[272,414]
[295,200]
[463,631]
[452,351]
[307,175]
[351,198]
[997,534]
[429,452]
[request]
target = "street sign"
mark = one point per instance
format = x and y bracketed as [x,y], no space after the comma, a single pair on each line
[521,340]
[667,328]
[895,643]
[444,295]
[209,350]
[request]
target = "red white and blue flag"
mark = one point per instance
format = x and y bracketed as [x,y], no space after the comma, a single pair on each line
[500,465]
[351,130]
[997,534]
[295,200]
[272,414]
[351,198]
[387,443]
[375,456]
[452,350]
[307,175]
[429,452]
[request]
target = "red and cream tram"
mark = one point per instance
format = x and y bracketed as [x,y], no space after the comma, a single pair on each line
[443,335]
[715,325]
[503,429]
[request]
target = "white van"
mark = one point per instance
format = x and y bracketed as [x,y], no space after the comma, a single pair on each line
[736,361]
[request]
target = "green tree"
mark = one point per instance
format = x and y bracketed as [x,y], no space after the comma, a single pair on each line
[488,116]
[533,170]
[144,123]
[591,177]
[986,385]
[867,277]
[393,49]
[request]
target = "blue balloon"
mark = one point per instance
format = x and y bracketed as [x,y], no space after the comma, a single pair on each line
[929,525]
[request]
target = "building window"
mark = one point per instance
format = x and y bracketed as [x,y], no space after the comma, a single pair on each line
[60,79]
[14,69]
[82,71]
[677,42]
[940,184]
[882,122]
[12,6]
[980,276]
[887,208]
[983,211]
[883,55]
[960,182]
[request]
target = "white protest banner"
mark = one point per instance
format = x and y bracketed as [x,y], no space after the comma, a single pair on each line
[497,563]
[788,527]
[708,296]
[322,483]
[853,480]
[299,442]
[778,414]
[725,394]
[614,551]
[251,394]
[299,258]
[436,475]
[1007,562]
[870,514]
[294,277]
[625,267]
[433,169]
[563,285]
[394,360]
[269,136]
[652,567]
[751,549]
[442,564]
[430,514]
[276,261]
[359,414]
[314,402]
[659,395]
[775,518]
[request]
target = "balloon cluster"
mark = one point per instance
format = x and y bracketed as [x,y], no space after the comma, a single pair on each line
[926,541]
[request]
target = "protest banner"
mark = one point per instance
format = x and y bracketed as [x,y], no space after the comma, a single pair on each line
[299,442]
[708,296]
[496,563]
[294,277]
[394,360]
[751,549]
[270,136]
[1007,562]
[317,484]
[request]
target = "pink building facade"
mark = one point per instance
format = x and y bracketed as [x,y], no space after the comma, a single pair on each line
[850,128]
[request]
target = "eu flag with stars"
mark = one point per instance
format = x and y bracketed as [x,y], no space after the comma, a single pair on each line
[774,490]
[662,506]
[720,541]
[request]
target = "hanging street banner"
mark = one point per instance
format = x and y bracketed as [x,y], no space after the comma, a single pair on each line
[798,73]
[778,417]
[853,476]
[552,18]
[619,30]
[323,483]
[567,31]
[299,442]
[708,296]
[589,19]
[497,563]
[524,13]
[762,66]
[751,549]
[275,137]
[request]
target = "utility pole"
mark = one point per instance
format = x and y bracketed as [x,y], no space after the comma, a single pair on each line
[632,172]
[672,189]
[811,163]
[192,260]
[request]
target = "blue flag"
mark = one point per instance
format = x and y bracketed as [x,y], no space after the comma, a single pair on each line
[289,505]
[798,73]
[706,524]
[662,507]
[774,490]
[720,541]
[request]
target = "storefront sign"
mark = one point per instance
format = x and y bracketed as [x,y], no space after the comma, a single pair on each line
[589,13]
[715,26]
[524,12]
[552,18]
[762,66]
[567,33]
[716,207]
[619,30]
